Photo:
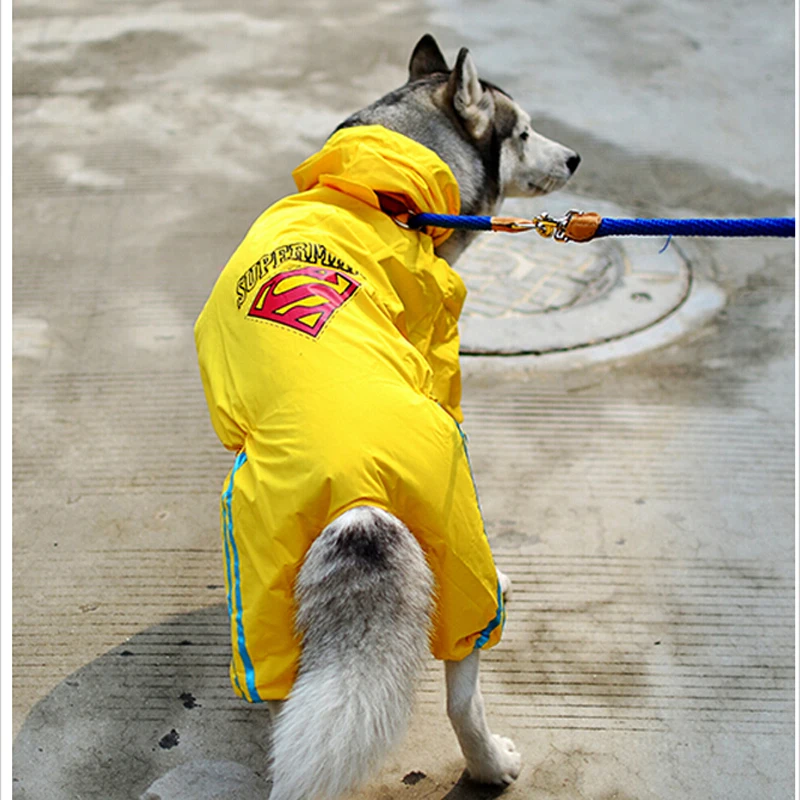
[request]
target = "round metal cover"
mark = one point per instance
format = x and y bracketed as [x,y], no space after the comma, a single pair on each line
[528,295]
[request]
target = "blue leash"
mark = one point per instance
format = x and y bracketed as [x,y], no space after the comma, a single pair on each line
[783,227]
[582,227]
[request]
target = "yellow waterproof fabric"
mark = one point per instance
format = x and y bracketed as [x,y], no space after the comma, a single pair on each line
[328,351]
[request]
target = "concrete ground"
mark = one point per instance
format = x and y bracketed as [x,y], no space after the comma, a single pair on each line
[640,493]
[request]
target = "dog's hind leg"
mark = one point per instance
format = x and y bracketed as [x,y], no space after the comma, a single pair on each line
[490,758]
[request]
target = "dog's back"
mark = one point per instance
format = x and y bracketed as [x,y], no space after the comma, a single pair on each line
[364,598]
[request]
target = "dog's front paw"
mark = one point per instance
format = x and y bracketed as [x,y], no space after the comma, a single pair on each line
[502,765]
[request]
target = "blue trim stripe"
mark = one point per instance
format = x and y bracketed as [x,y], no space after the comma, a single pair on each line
[235,586]
[471,473]
[499,617]
[225,515]
[229,584]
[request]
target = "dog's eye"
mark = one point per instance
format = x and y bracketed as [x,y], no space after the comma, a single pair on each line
[524,136]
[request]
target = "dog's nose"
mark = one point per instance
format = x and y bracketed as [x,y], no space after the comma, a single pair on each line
[572,163]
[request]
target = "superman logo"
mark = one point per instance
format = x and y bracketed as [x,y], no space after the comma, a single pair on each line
[303,299]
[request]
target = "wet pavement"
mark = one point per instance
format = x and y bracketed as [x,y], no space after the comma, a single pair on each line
[637,478]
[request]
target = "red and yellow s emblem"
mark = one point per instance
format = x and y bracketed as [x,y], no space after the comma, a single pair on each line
[303,299]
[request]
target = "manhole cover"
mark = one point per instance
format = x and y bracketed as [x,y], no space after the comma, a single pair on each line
[530,295]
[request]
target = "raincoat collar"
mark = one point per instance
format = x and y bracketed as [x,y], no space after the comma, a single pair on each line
[383,168]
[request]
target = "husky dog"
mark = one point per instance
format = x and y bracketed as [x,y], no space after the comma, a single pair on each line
[352,698]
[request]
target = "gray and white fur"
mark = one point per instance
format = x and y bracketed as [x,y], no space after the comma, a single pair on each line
[476,129]
[365,593]
[364,597]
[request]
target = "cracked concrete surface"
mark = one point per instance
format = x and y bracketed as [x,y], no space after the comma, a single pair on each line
[640,494]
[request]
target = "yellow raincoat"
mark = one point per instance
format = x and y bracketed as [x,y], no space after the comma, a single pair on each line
[328,352]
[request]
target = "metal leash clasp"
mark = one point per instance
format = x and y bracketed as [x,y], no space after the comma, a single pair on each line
[552,227]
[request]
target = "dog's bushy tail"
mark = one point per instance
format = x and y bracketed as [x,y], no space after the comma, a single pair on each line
[364,598]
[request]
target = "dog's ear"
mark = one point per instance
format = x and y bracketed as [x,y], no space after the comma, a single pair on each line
[473,105]
[426,59]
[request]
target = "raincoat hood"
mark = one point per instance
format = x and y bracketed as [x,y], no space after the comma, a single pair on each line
[374,164]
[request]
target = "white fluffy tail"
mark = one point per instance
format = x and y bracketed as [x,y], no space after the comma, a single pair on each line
[364,597]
